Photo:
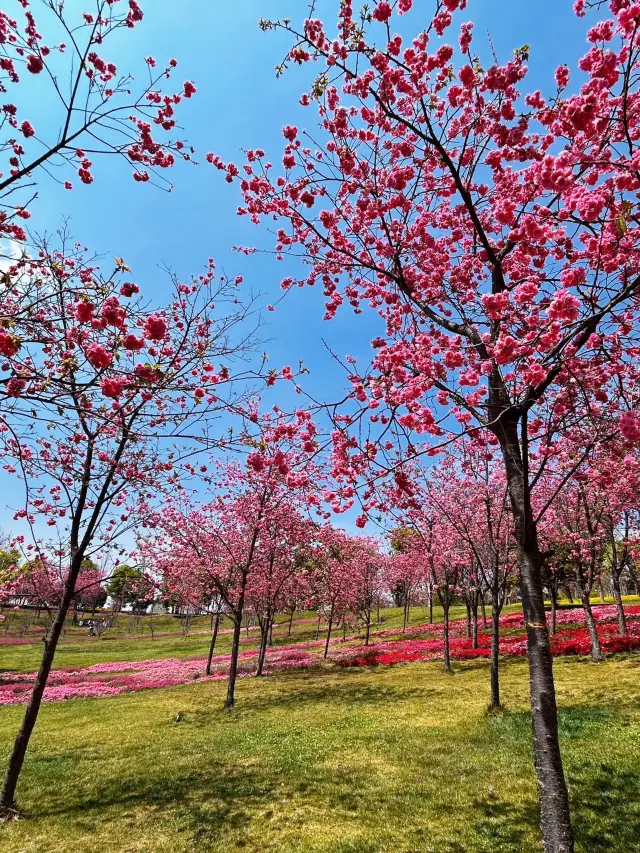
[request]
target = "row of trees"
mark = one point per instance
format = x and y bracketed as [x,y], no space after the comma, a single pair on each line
[495,234]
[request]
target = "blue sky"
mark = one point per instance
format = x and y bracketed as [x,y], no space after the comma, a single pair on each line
[241,104]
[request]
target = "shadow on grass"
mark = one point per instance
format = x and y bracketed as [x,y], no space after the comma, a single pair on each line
[605,799]
[333,693]
[502,825]
[606,807]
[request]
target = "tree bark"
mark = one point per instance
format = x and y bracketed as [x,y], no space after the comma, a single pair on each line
[596,650]
[326,645]
[264,639]
[7,798]
[483,608]
[468,607]
[290,624]
[495,651]
[617,595]
[555,816]
[212,645]
[230,701]
[474,621]
[554,607]
[368,628]
[447,651]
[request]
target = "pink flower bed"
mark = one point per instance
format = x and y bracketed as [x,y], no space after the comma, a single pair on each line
[114,678]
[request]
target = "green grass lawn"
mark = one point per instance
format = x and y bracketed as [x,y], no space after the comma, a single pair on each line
[401,759]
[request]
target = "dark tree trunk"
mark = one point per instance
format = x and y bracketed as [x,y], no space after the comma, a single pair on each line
[212,645]
[617,594]
[264,639]
[367,628]
[290,623]
[405,620]
[270,640]
[235,649]
[326,645]
[483,608]
[430,605]
[555,816]
[468,606]
[318,627]
[554,608]
[496,607]
[447,650]
[596,650]
[7,798]
[474,621]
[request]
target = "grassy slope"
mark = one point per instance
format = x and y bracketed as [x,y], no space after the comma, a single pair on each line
[79,650]
[398,759]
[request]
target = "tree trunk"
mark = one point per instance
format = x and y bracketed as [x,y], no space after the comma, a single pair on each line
[290,623]
[554,607]
[468,607]
[483,608]
[555,816]
[596,650]
[368,628]
[495,651]
[622,619]
[430,605]
[212,645]
[318,627]
[264,639]
[233,666]
[447,651]
[405,620]
[7,798]
[474,621]
[326,645]
[235,648]
[270,640]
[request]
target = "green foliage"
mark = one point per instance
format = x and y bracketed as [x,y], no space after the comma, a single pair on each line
[10,560]
[129,586]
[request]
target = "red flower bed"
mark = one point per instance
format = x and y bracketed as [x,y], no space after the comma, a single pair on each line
[111,679]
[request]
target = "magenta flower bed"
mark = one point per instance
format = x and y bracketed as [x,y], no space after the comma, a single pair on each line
[114,678]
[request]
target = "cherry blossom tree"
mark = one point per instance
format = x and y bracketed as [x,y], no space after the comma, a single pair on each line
[495,232]
[579,536]
[335,577]
[282,553]
[615,471]
[370,568]
[107,399]
[226,540]
[471,494]
[406,575]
